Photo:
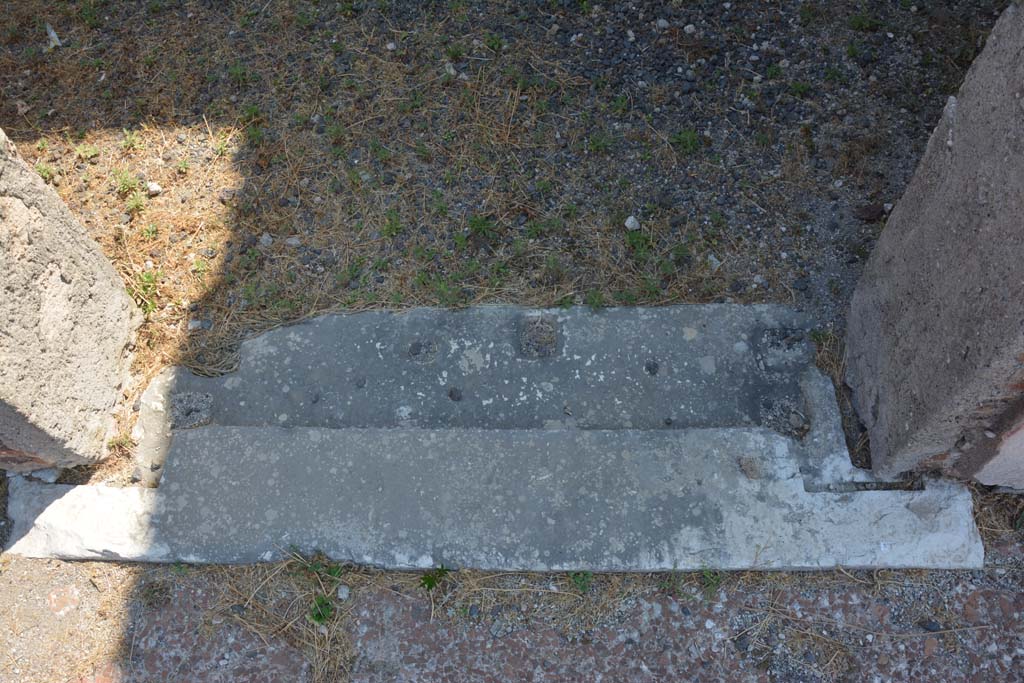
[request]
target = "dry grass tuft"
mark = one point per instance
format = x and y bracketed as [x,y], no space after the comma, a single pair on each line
[114,470]
[830,357]
[295,600]
[999,516]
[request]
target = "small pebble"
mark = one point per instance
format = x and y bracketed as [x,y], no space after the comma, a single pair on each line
[632,223]
[266,240]
[391,47]
[689,29]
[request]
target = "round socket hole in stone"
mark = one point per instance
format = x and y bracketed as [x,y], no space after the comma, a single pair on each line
[191,409]
[651,367]
[423,350]
[455,394]
[538,336]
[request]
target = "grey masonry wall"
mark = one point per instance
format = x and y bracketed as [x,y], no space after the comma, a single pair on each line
[935,345]
[66,324]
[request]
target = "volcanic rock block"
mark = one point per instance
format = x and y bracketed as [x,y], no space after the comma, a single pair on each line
[66,326]
[935,342]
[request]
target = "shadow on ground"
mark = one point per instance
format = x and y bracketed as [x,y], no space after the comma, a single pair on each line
[249,164]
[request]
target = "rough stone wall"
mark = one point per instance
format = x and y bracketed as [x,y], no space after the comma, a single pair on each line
[935,345]
[66,325]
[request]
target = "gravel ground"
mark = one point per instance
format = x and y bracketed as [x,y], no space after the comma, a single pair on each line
[89,622]
[314,156]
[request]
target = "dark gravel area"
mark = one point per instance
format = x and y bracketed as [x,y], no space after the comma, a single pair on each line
[314,156]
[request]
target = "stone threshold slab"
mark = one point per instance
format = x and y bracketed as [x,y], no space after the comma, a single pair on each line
[499,367]
[537,500]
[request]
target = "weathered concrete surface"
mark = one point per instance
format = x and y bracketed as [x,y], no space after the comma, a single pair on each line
[625,500]
[65,326]
[936,327]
